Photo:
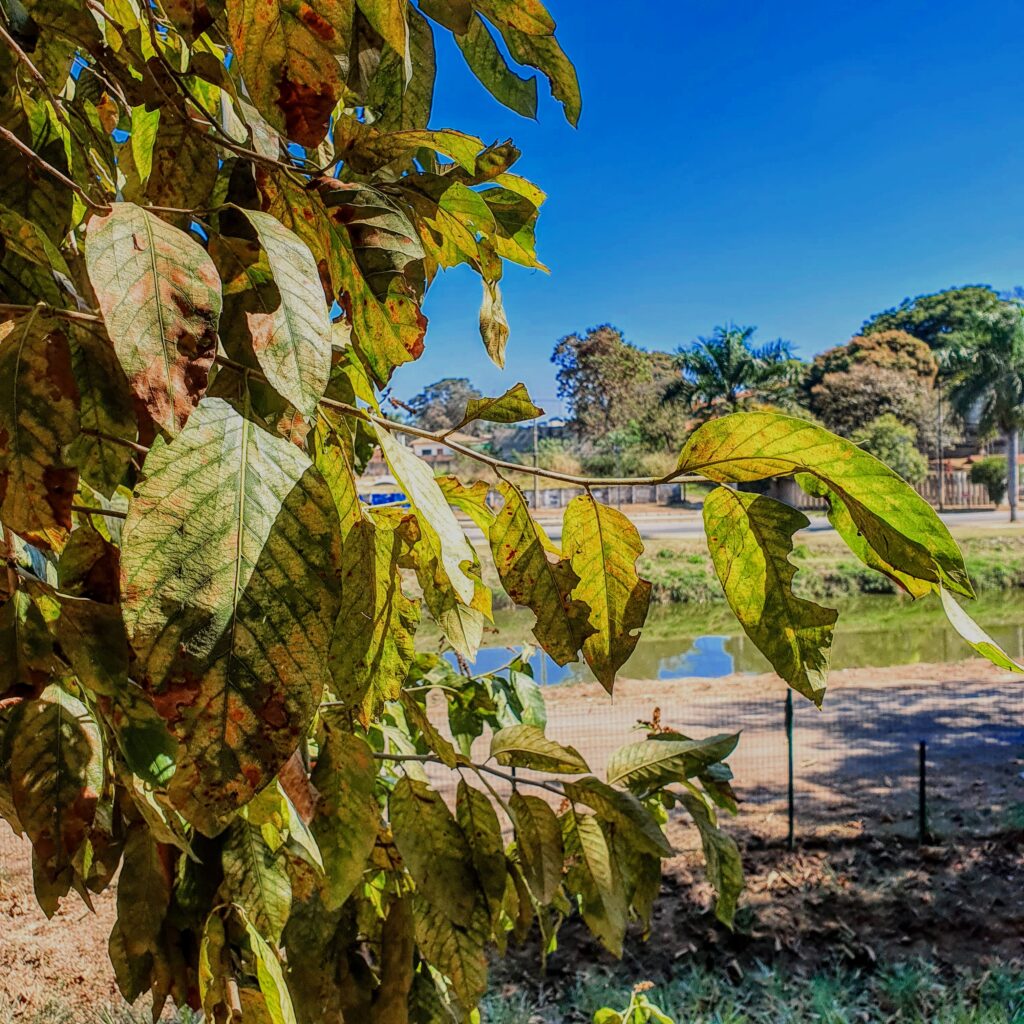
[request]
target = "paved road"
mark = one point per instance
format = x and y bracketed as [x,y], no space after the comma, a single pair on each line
[683,523]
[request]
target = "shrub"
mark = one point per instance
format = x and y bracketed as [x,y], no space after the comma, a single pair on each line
[991,472]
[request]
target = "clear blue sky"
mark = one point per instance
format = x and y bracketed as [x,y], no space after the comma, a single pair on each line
[795,166]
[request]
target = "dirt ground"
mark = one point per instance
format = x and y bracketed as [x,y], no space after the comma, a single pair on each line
[858,887]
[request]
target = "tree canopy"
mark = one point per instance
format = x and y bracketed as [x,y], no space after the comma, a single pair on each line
[220,221]
[933,318]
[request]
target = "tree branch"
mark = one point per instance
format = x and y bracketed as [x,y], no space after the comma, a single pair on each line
[515,780]
[89,510]
[61,314]
[52,171]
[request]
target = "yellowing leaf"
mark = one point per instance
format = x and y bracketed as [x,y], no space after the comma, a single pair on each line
[347,817]
[899,525]
[160,297]
[539,844]
[750,537]
[457,952]
[441,530]
[288,55]
[651,763]
[388,19]
[526,746]
[38,420]
[373,638]
[602,546]
[434,850]
[975,635]
[290,327]
[722,857]
[479,823]
[230,591]
[273,988]
[513,406]
[256,878]
[528,16]
[594,876]
[544,53]
[623,810]
[535,575]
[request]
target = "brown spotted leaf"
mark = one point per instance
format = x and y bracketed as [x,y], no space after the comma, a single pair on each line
[160,297]
[230,589]
[56,772]
[288,54]
[38,420]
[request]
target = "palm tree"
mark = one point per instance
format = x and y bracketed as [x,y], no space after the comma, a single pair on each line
[986,373]
[725,372]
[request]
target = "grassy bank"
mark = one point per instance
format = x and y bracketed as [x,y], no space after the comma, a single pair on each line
[915,992]
[682,573]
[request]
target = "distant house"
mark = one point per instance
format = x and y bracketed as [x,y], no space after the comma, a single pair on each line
[438,455]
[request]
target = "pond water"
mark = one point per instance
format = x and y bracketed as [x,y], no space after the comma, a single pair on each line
[702,641]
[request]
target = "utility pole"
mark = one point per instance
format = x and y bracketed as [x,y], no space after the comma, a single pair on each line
[942,458]
[536,464]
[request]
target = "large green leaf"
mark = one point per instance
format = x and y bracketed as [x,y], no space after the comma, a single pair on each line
[899,525]
[602,546]
[434,850]
[651,763]
[26,646]
[56,773]
[230,590]
[487,62]
[288,321]
[38,420]
[160,297]
[534,574]
[544,53]
[750,537]
[347,816]
[539,844]
[105,410]
[843,523]
[288,55]
[479,823]
[526,746]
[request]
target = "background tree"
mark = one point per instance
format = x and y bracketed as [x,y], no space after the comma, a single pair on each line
[439,406]
[986,373]
[850,385]
[895,443]
[607,382]
[726,372]
[934,318]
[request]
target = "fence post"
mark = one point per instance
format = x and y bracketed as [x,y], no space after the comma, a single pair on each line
[791,837]
[922,794]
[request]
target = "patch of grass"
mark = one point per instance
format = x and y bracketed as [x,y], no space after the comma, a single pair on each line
[57,1011]
[913,992]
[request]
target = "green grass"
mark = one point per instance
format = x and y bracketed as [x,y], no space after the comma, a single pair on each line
[914,992]
[57,1011]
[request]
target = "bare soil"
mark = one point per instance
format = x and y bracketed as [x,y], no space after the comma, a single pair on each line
[858,887]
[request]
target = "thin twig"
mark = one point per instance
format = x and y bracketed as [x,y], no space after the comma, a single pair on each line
[89,510]
[35,73]
[41,307]
[515,780]
[52,171]
[12,571]
[114,439]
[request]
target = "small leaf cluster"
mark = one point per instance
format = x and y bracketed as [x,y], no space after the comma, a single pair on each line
[219,221]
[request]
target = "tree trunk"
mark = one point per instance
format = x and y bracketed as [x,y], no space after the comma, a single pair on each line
[1012,473]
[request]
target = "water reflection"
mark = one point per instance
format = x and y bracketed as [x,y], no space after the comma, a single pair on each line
[680,641]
